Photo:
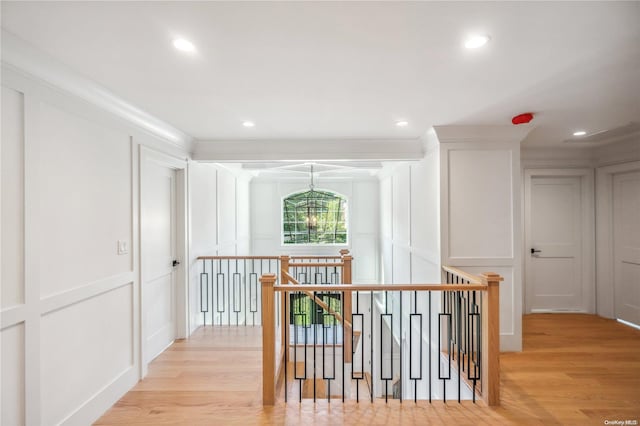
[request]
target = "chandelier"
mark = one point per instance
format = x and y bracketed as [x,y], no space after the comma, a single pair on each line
[314,216]
[312,204]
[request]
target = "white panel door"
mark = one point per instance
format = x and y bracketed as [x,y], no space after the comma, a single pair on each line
[626,250]
[554,244]
[158,222]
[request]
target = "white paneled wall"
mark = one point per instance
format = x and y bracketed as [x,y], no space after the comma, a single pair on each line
[70,304]
[219,205]
[481,215]
[266,196]
[410,237]
[410,227]
[459,206]
[607,160]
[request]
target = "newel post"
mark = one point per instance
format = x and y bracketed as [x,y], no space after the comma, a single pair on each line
[268,340]
[347,310]
[284,266]
[491,339]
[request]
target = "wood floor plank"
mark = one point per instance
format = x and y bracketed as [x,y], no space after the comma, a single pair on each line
[574,370]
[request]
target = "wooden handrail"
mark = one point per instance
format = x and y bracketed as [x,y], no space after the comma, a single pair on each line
[383,287]
[238,257]
[490,368]
[473,279]
[315,264]
[315,257]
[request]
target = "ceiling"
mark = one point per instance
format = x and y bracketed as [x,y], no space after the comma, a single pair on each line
[350,70]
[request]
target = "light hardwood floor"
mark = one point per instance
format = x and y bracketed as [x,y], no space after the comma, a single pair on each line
[574,370]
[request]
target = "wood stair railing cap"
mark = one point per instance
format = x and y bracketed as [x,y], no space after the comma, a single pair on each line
[491,276]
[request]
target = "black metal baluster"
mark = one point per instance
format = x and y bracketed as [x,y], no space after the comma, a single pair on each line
[204,309]
[244,281]
[474,349]
[237,294]
[371,341]
[315,341]
[430,343]
[253,292]
[400,340]
[360,374]
[412,376]
[286,345]
[212,305]
[219,300]
[447,316]
[259,292]
[386,379]
[343,338]
[459,332]
[228,299]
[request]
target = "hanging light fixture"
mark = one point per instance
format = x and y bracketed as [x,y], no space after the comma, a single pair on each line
[312,204]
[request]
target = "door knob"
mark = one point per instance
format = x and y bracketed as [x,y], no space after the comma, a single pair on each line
[534,251]
[175,263]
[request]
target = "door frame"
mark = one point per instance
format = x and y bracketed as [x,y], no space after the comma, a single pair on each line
[604,226]
[588,232]
[181,307]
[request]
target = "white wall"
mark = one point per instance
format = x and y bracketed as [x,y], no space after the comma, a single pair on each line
[219,205]
[606,158]
[481,216]
[70,304]
[410,219]
[410,241]
[362,198]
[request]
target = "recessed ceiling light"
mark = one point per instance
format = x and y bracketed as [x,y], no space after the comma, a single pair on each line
[476,41]
[248,123]
[183,45]
[579,133]
[402,123]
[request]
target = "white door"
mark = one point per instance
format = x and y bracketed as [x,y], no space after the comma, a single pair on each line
[626,246]
[158,224]
[553,257]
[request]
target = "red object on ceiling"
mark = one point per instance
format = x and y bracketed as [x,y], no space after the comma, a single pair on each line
[522,118]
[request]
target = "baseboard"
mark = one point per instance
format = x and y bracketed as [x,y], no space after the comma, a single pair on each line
[104,399]
[510,343]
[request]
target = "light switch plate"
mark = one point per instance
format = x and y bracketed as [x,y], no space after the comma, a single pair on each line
[123,247]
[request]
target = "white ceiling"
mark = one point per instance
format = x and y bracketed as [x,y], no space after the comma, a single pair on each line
[345,70]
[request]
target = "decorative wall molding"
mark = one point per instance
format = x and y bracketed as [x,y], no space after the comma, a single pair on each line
[482,134]
[79,294]
[605,303]
[22,57]
[308,150]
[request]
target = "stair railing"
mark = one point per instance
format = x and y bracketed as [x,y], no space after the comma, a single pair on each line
[465,354]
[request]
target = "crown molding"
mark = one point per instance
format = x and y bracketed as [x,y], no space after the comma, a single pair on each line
[482,134]
[22,57]
[308,150]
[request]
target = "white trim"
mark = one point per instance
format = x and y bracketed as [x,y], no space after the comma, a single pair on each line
[308,150]
[92,409]
[629,324]
[587,231]
[32,272]
[25,58]
[12,316]
[67,298]
[604,228]
[480,138]
[145,155]
[482,134]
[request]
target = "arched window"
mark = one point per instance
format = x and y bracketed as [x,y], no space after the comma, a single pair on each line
[314,217]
